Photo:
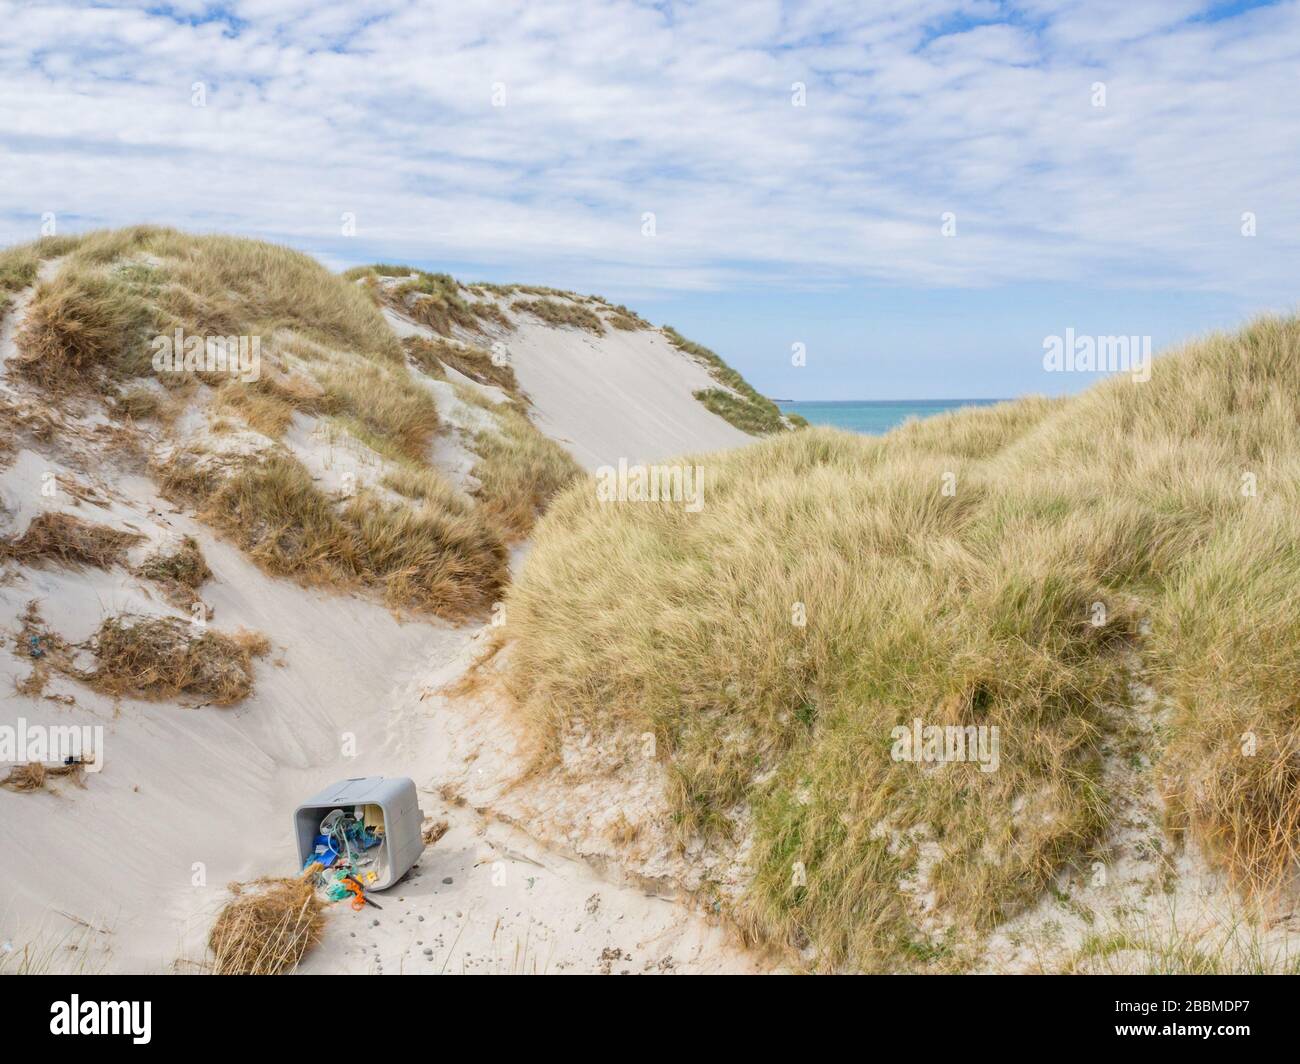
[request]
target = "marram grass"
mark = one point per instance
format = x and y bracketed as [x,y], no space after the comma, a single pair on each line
[950,571]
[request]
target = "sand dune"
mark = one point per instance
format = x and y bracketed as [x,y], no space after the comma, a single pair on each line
[130,870]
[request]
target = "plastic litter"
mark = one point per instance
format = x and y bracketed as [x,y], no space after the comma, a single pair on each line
[345,843]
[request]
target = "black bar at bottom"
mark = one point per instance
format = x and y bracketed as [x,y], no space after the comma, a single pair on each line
[292,1014]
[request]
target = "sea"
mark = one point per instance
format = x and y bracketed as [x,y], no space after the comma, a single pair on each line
[872,417]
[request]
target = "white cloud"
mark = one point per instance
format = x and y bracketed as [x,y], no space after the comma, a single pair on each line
[618,108]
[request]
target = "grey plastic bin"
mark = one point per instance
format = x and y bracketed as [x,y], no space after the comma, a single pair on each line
[399,805]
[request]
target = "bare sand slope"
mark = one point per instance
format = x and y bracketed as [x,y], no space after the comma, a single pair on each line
[621,395]
[127,873]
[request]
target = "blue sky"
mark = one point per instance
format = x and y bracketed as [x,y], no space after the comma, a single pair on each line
[1096,159]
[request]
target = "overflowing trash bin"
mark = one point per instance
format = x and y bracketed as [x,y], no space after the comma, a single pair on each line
[363,832]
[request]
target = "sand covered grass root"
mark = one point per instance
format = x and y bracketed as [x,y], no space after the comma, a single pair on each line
[180,563]
[162,657]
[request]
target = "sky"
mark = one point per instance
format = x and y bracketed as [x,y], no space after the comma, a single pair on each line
[917,192]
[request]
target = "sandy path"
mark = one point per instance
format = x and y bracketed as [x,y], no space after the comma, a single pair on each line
[488,899]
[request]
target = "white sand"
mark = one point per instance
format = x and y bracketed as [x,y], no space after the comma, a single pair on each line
[623,395]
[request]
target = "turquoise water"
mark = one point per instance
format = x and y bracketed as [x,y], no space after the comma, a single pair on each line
[874,416]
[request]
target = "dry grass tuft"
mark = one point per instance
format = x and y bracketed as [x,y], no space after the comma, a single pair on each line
[161,657]
[434,832]
[435,299]
[431,557]
[621,317]
[627,321]
[20,265]
[119,289]
[262,412]
[33,775]
[440,556]
[758,419]
[737,401]
[137,404]
[560,314]
[18,268]
[81,324]
[299,391]
[267,927]
[424,484]
[221,285]
[430,356]
[383,408]
[519,469]
[181,563]
[274,512]
[69,540]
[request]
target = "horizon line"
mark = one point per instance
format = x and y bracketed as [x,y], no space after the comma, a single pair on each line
[958,399]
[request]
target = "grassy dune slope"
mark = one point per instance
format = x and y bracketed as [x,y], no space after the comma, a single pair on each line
[737,401]
[951,571]
[330,366]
